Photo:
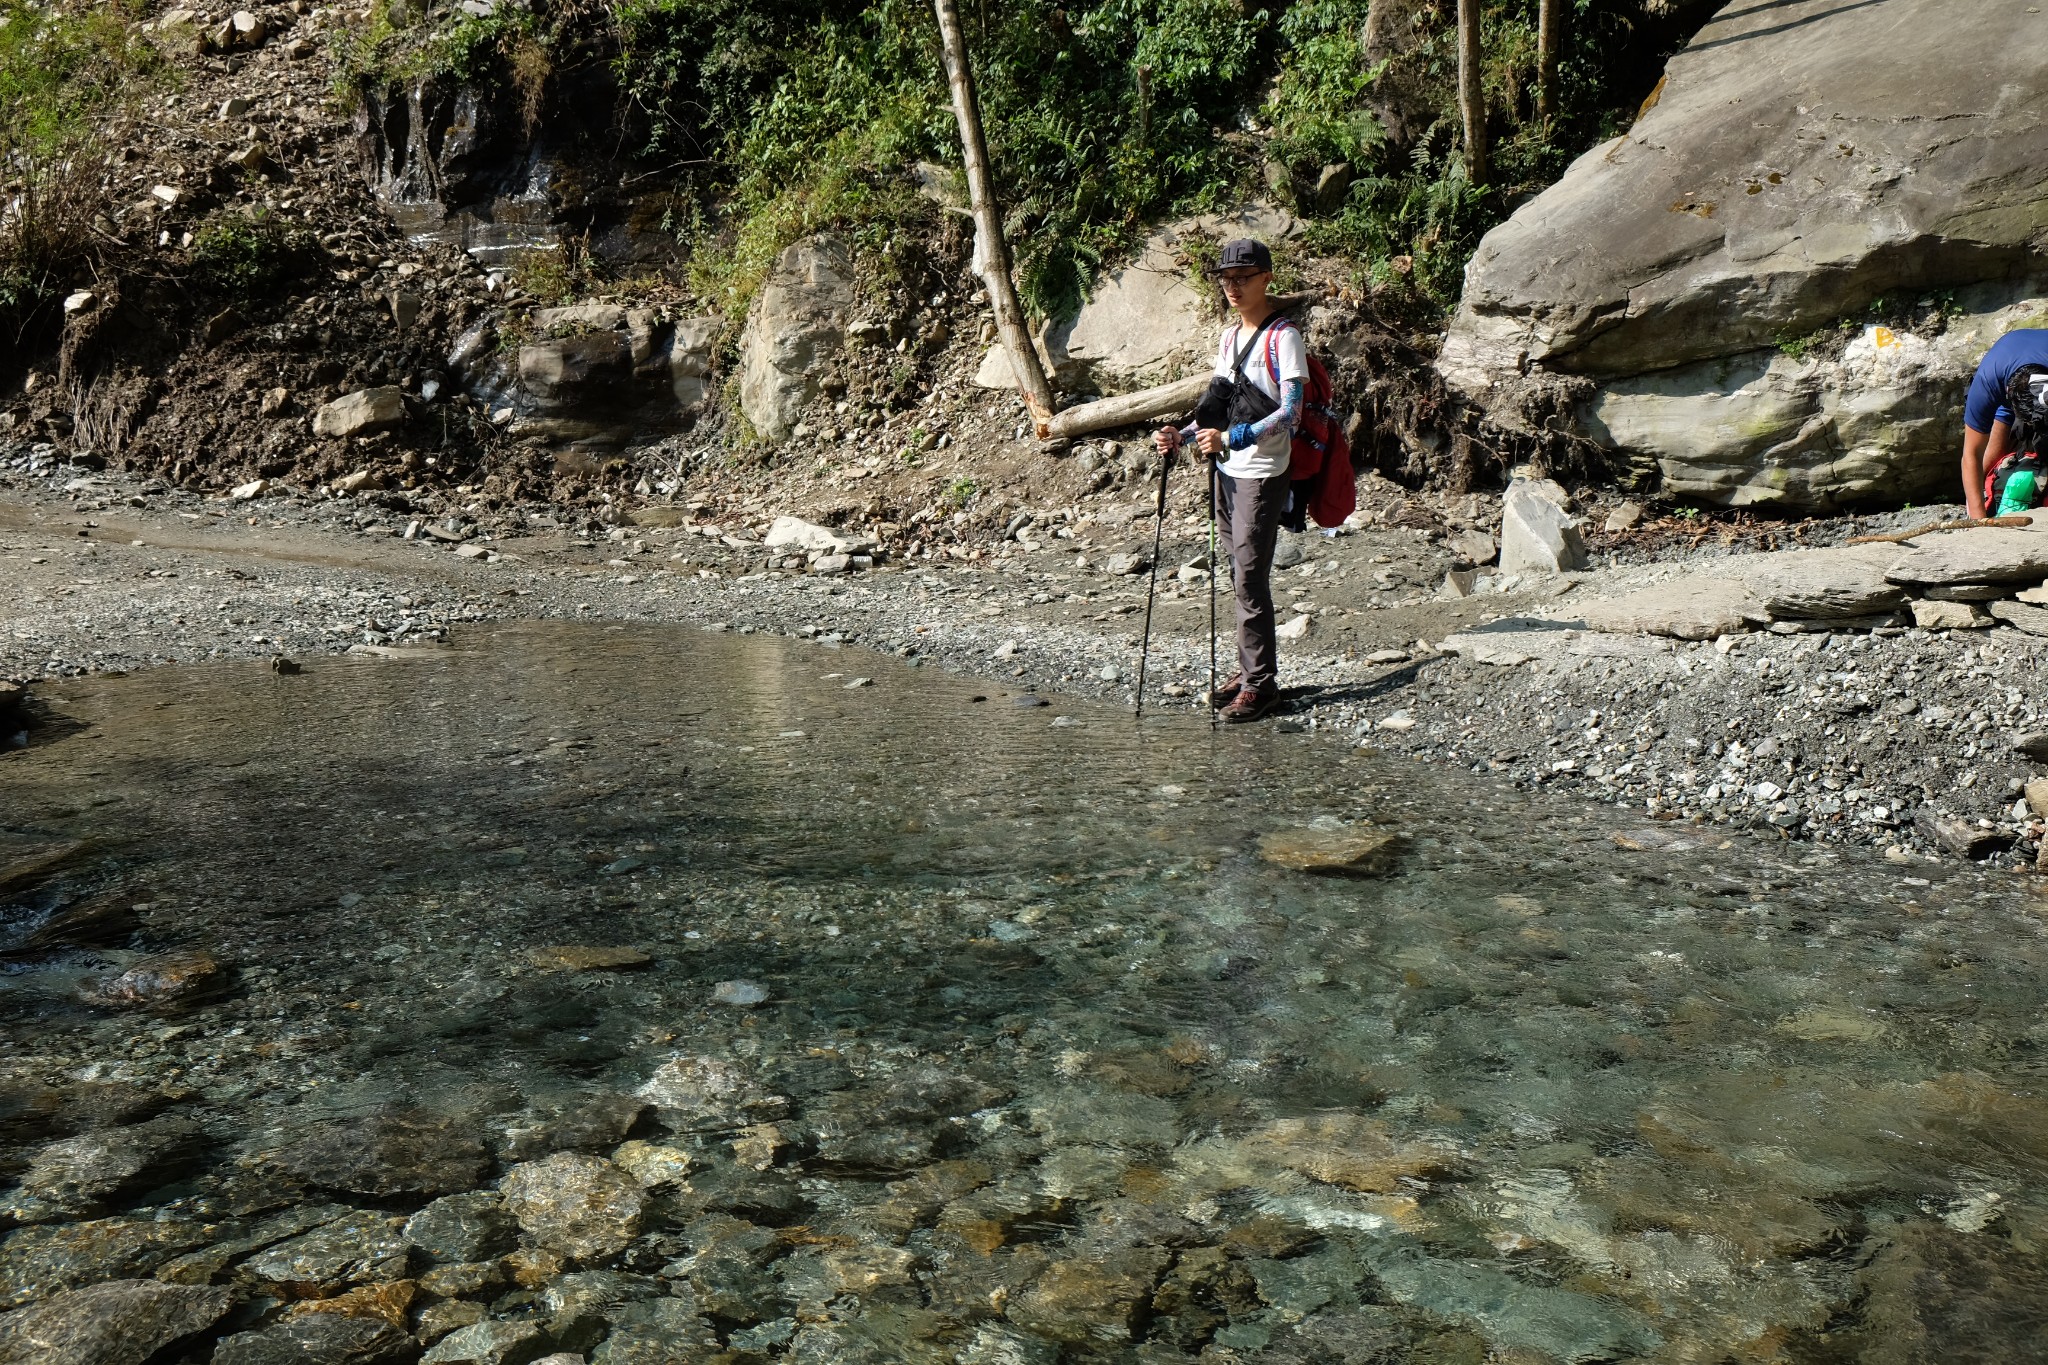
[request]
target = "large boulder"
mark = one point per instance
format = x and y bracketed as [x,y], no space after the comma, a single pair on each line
[1147,322]
[798,322]
[1801,162]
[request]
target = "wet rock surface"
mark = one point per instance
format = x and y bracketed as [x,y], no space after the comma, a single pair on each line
[582,1206]
[386,1154]
[320,1339]
[117,1322]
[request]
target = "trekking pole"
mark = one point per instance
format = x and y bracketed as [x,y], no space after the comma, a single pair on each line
[1213,721]
[1152,585]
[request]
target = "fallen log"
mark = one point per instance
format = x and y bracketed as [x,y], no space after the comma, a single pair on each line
[1168,400]
[1901,537]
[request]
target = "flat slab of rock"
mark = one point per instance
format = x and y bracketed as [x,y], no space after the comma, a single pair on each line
[1351,852]
[120,1322]
[1822,585]
[1993,555]
[1962,837]
[2032,620]
[1684,609]
[794,533]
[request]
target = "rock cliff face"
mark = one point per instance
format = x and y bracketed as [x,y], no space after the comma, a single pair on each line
[1804,161]
[462,164]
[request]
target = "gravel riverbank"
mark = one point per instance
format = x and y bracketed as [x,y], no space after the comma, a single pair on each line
[1900,738]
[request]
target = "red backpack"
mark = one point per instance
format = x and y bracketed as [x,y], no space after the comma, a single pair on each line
[1321,454]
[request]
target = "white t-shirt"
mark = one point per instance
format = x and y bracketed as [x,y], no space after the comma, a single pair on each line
[1270,455]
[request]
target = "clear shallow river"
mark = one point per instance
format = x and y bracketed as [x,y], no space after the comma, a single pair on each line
[930,1029]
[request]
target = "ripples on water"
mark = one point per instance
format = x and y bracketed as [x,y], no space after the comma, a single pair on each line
[1048,1064]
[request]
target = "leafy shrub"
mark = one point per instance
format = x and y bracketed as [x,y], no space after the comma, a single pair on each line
[510,45]
[63,71]
[244,257]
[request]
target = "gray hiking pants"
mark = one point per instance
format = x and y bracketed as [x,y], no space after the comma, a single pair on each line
[1249,511]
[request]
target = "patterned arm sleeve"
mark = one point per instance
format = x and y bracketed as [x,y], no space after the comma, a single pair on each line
[1287,415]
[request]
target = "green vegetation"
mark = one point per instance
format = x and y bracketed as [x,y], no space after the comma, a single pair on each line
[63,72]
[961,492]
[776,120]
[244,256]
[510,45]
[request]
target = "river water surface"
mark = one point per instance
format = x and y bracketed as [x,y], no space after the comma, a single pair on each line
[888,1019]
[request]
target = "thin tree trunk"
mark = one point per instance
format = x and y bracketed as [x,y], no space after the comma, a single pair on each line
[992,257]
[1471,94]
[1549,40]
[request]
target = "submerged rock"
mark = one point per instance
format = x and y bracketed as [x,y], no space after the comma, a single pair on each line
[38,1261]
[463,1228]
[665,1331]
[1346,1150]
[360,1248]
[707,1092]
[1356,852]
[407,1152]
[490,1343]
[121,1322]
[575,958]
[1094,1298]
[582,1206]
[82,1171]
[653,1165]
[161,982]
[319,1339]
[590,1122]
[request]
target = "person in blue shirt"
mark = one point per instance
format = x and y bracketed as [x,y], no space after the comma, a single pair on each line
[1987,420]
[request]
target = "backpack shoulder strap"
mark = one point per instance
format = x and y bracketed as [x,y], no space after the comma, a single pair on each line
[1273,352]
[1259,331]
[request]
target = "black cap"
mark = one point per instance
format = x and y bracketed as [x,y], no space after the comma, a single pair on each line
[1245,251]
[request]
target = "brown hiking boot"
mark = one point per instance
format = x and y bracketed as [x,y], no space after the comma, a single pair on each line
[1251,703]
[1226,691]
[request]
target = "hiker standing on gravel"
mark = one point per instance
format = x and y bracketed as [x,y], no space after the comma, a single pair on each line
[1987,417]
[1246,426]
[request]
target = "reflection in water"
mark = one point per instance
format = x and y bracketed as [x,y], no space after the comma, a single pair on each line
[666,996]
